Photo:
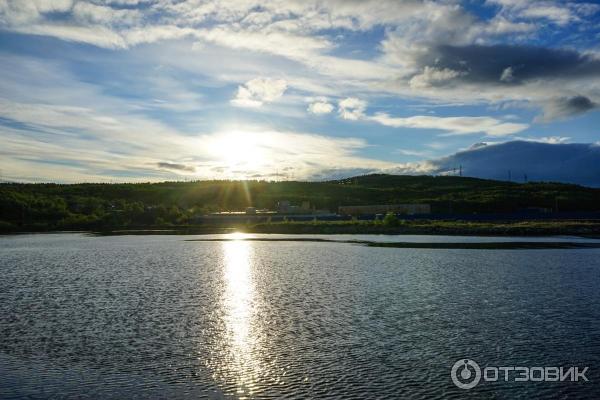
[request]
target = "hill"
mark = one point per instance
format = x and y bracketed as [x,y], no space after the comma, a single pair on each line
[577,163]
[88,206]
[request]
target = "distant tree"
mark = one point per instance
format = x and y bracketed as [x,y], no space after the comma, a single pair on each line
[390,219]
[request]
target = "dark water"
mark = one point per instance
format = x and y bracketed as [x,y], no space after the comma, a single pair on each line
[161,317]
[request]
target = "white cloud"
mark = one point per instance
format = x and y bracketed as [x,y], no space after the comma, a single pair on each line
[553,139]
[95,34]
[321,106]
[352,108]
[414,153]
[454,125]
[500,25]
[556,14]
[507,75]
[238,40]
[294,30]
[233,154]
[258,91]
[72,131]
[432,76]
[294,46]
[16,12]
[151,34]
[96,14]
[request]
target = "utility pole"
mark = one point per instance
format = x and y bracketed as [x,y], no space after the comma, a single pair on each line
[460,170]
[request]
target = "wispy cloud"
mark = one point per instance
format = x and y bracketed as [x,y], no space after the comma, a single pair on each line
[355,109]
[137,88]
[453,125]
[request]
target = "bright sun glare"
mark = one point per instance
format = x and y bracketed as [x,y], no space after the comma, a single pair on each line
[239,150]
[237,235]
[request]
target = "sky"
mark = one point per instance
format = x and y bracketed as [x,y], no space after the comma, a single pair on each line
[153,90]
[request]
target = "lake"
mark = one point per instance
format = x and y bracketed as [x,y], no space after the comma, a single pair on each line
[161,316]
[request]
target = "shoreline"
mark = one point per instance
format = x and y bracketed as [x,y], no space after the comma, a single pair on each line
[513,243]
[430,227]
[499,245]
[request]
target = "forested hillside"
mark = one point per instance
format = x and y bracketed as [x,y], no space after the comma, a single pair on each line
[82,206]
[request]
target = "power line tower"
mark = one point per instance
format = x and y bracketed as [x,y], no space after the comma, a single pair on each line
[460,170]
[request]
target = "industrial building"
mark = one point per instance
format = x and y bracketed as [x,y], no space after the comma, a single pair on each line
[407,209]
[285,212]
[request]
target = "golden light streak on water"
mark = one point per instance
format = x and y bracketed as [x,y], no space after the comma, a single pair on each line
[240,324]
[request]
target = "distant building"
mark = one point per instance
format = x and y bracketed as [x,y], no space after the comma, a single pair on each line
[285,211]
[285,207]
[409,209]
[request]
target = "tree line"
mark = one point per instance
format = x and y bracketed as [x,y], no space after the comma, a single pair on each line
[96,206]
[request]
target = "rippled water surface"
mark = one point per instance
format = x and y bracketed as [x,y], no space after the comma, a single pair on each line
[162,317]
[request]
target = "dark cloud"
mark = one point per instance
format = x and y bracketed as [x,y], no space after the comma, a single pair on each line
[576,105]
[510,64]
[176,167]
[579,104]
[573,163]
[568,106]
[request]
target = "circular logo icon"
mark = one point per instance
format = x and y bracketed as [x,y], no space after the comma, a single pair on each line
[465,374]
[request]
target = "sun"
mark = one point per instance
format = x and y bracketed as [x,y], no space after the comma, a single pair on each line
[239,150]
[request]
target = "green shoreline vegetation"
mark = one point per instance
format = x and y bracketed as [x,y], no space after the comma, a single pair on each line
[174,207]
[498,245]
[420,227]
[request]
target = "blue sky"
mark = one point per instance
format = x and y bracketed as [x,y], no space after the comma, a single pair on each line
[150,90]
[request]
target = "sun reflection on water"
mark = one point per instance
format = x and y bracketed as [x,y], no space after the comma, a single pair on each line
[239,308]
